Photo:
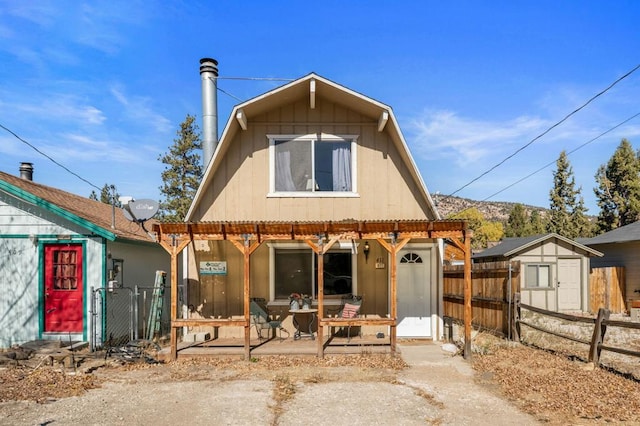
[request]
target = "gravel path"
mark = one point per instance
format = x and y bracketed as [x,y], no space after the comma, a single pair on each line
[435,388]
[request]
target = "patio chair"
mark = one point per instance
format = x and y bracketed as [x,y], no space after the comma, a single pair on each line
[349,308]
[262,320]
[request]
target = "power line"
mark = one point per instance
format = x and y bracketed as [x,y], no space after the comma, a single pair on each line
[569,153]
[48,157]
[256,78]
[246,79]
[229,94]
[544,133]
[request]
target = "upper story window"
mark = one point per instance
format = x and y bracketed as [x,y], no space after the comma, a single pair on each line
[312,165]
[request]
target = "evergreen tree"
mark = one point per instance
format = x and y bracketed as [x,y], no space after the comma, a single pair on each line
[584,227]
[182,173]
[108,195]
[567,216]
[618,190]
[517,222]
[536,225]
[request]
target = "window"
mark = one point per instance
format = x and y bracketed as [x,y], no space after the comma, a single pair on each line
[65,269]
[538,276]
[295,271]
[411,258]
[313,165]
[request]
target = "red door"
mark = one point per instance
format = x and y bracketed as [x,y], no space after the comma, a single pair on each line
[63,288]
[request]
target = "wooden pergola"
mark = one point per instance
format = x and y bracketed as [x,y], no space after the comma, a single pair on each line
[320,236]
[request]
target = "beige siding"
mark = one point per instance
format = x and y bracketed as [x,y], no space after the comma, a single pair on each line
[386,188]
[212,296]
[549,252]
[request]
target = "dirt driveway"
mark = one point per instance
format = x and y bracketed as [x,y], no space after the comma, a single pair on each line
[367,389]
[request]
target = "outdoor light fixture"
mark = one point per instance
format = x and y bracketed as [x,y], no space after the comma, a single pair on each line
[365,250]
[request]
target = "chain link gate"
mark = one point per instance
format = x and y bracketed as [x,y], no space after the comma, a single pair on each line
[113,317]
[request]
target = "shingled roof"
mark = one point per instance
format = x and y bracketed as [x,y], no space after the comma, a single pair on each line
[512,246]
[624,234]
[91,214]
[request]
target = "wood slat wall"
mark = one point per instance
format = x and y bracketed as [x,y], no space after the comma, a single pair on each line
[607,289]
[490,294]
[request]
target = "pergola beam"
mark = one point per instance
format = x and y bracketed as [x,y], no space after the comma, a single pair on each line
[393,236]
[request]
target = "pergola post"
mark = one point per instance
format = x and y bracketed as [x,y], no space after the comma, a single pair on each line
[174,250]
[246,248]
[393,248]
[468,313]
[320,279]
[320,249]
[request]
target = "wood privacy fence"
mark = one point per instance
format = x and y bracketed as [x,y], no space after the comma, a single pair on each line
[493,285]
[607,289]
[600,324]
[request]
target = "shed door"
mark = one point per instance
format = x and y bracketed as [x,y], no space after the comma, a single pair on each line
[569,284]
[63,288]
[414,293]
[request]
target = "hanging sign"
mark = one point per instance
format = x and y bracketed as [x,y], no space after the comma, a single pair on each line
[218,267]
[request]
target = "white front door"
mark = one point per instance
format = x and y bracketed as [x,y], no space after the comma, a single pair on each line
[569,284]
[414,293]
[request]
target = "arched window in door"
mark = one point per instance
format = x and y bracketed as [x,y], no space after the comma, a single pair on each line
[411,258]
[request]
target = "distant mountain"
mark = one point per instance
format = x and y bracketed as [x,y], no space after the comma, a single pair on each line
[492,210]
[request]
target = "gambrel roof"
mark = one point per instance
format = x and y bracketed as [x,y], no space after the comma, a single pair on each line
[310,86]
[95,216]
[510,247]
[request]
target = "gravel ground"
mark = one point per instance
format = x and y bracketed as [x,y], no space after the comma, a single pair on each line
[509,384]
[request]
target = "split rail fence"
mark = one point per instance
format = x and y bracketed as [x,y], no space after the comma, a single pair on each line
[600,325]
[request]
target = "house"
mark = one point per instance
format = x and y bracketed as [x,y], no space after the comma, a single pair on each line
[554,270]
[311,189]
[60,253]
[620,247]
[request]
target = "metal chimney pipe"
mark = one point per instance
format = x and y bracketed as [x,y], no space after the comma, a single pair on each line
[26,171]
[209,77]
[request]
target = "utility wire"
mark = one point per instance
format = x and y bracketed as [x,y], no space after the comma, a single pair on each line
[256,78]
[51,159]
[568,153]
[545,132]
[230,95]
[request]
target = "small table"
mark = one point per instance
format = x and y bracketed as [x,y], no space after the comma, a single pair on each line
[311,314]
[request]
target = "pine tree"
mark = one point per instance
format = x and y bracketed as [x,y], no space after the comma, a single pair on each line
[182,173]
[536,225]
[584,227]
[517,222]
[618,190]
[108,195]
[567,216]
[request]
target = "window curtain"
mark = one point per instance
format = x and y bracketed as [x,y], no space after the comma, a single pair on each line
[341,162]
[284,180]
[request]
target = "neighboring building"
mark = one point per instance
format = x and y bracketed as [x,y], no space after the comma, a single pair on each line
[314,152]
[57,248]
[620,248]
[554,270]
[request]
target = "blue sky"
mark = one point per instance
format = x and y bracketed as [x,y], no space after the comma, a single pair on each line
[102,86]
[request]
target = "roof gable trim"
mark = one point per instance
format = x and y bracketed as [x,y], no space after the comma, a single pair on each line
[547,237]
[37,201]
